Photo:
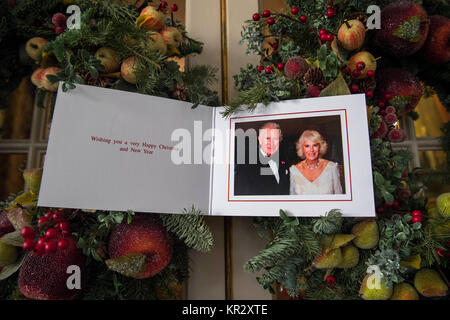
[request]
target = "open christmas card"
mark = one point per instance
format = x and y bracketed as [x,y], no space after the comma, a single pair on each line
[115,150]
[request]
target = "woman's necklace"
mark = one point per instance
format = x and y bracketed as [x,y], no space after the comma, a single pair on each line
[313,167]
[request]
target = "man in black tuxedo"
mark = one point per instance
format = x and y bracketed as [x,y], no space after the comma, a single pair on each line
[269,175]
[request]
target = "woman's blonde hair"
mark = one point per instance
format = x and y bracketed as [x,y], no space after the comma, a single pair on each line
[315,137]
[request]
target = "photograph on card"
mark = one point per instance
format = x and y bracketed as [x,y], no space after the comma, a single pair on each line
[295,156]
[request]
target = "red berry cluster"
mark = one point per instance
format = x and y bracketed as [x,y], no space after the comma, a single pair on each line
[416,216]
[59,23]
[164,4]
[54,238]
[325,36]
[275,46]
[330,280]
[268,70]
[330,13]
[442,252]
[271,20]
[386,206]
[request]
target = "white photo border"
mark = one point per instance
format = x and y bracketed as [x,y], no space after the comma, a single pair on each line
[342,113]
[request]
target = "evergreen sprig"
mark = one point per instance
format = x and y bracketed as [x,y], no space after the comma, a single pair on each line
[265,91]
[197,81]
[191,227]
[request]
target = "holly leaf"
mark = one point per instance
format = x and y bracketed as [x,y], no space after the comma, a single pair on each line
[52,78]
[388,197]
[409,30]
[10,269]
[341,53]
[379,180]
[13,238]
[336,88]
[130,265]
[400,102]
[291,221]
[93,71]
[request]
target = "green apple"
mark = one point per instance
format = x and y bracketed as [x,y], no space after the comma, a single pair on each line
[155,42]
[109,58]
[34,47]
[443,204]
[128,69]
[8,254]
[172,36]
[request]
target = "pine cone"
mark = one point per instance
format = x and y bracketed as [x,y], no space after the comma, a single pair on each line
[313,76]
[100,81]
[368,84]
[180,92]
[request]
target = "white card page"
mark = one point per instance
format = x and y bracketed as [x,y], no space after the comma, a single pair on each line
[346,114]
[85,167]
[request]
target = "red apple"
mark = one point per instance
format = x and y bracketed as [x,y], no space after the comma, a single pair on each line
[44,277]
[151,18]
[351,35]
[46,84]
[146,235]
[437,47]
[403,87]
[34,47]
[109,58]
[404,28]
[128,68]
[172,36]
[37,77]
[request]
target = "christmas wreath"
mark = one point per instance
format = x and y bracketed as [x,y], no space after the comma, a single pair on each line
[323,48]
[53,253]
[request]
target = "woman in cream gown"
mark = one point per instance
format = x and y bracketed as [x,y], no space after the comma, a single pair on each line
[314,175]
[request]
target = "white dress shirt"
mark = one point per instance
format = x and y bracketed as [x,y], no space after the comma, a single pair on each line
[273,166]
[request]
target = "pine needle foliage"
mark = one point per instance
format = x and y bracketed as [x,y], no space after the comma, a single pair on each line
[191,227]
[292,249]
